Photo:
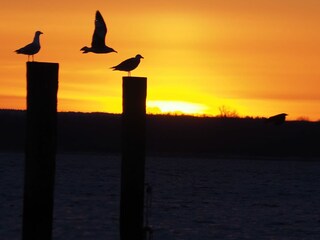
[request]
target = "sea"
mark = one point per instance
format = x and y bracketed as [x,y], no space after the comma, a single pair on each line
[192,198]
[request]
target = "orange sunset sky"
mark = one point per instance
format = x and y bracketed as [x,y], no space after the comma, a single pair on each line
[257,57]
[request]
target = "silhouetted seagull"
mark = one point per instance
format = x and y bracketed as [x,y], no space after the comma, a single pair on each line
[98,39]
[129,64]
[31,48]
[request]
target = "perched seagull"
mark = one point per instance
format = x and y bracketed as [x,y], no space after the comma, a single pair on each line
[128,65]
[31,48]
[98,39]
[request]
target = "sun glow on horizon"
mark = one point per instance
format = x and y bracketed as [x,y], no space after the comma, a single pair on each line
[176,107]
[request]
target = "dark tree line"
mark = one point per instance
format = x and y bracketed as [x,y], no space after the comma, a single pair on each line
[174,135]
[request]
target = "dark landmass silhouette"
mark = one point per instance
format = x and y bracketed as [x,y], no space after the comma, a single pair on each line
[178,136]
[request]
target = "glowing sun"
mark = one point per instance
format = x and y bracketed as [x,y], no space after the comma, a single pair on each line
[176,107]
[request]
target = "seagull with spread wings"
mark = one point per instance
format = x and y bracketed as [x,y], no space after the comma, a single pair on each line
[98,39]
[32,48]
[128,65]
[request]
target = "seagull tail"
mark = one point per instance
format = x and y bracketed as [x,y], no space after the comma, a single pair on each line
[85,49]
[18,51]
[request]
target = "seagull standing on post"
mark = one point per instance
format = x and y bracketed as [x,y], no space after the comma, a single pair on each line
[31,48]
[128,65]
[98,39]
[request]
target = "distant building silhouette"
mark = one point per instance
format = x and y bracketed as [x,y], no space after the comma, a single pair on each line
[277,119]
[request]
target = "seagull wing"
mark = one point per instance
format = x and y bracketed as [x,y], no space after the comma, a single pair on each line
[126,65]
[29,49]
[100,31]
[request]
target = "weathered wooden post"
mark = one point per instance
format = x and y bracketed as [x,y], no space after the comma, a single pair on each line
[42,88]
[133,157]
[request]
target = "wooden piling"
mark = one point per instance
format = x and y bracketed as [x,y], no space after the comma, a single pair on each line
[42,88]
[133,158]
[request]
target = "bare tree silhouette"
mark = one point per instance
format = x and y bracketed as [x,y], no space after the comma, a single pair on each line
[226,112]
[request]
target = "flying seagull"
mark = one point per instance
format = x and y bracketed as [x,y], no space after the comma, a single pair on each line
[31,48]
[129,64]
[98,39]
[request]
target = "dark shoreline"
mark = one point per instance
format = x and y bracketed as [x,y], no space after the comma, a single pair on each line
[178,136]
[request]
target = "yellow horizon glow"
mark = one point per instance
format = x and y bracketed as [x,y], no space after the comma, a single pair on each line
[176,107]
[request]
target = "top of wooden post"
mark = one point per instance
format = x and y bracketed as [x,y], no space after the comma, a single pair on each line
[42,70]
[133,78]
[34,64]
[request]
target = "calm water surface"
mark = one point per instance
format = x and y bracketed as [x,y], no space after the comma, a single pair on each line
[192,198]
